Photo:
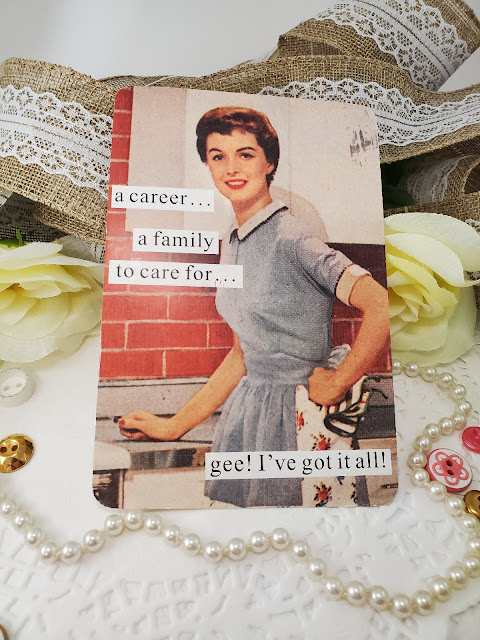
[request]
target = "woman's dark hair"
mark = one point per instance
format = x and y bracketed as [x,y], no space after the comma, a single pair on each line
[224,120]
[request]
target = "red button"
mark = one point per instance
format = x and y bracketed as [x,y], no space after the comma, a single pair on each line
[471,439]
[449,468]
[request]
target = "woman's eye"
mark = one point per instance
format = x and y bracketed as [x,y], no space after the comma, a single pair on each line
[245,154]
[217,157]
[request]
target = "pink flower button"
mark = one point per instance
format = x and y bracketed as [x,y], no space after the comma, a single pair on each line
[471,439]
[449,468]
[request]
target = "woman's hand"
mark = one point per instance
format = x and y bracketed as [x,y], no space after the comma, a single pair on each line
[326,387]
[142,425]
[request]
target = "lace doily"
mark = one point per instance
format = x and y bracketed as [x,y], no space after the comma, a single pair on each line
[61,137]
[430,183]
[418,37]
[400,120]
[142,589]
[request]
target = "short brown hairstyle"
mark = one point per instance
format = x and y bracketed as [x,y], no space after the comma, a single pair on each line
[224,120]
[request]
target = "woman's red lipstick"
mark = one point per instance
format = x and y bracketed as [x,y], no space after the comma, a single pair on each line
[236,184]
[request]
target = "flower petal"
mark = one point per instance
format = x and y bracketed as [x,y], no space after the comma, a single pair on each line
[432,253]
[458,236]
[43,318]
[459,336]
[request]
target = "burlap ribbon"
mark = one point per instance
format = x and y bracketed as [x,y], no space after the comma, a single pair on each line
[55,123]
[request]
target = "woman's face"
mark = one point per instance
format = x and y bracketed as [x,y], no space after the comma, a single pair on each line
[238,165]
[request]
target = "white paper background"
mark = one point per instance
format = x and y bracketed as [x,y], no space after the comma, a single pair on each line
[137,587]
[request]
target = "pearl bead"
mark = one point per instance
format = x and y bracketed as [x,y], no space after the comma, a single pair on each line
[48,552]
[472,565]
[133,520]
[468,522]
[300,550]
[429,374]
[191,544]
[455,505]
[457,577]
[423,602]
[153,525]
[258,541]
[412,370]
[401,606]
[333,588]
[458,392]
[20,519]
[464,408]
[422,443]
[172,535]
[446,426]
[114,525]
[436,491]
[7,507]
[441,588]
[416,460]
[236,549]
[280,539]
[420,477]
[397,367]
[316,568]
[213,551]
[378,598]
[432,430]
[34,536]
[93,540]
[70,553]
[355,593]
[459,421]
[445,380]
[473,544]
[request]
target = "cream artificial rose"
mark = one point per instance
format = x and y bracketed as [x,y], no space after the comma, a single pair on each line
[48,301]
[431,302]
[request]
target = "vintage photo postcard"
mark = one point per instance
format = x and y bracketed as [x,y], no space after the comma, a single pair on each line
[245,336]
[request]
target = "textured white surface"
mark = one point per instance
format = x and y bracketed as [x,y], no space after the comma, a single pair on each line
[139,588]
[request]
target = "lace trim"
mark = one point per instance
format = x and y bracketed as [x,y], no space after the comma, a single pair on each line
[400,120]
[430,183]
[61,137]
[414,33]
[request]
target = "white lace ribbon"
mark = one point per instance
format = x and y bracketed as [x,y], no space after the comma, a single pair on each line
[400,120]
[428,184]
[414,33]
[66,139]
[61,137]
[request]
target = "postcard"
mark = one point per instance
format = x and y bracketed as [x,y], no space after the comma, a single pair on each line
[245,335]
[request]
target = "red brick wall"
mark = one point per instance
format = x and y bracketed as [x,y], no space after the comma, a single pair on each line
[170,332]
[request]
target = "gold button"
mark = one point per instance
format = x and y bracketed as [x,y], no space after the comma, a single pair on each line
[3,633]
[15,452]
[472,502]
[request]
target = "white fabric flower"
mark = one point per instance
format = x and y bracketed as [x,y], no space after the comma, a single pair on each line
[48,301]
[431,303]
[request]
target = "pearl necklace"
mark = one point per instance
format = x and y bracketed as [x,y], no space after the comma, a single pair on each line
[355,593]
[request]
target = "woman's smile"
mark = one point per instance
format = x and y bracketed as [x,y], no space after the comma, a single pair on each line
[236,184]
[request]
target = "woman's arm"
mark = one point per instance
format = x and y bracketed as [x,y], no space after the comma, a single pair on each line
[326,386]
[141,425]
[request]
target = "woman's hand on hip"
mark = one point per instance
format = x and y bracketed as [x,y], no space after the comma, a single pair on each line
[142,425]
[325,387]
